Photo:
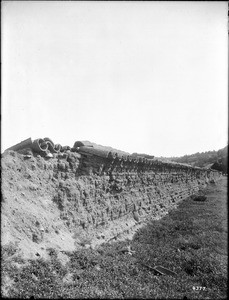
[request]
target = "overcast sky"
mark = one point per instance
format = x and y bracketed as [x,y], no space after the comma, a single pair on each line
[146,77]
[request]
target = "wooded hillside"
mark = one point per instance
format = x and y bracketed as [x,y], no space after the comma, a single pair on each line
[212,159]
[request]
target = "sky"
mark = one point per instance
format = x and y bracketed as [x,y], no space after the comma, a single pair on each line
[146,77]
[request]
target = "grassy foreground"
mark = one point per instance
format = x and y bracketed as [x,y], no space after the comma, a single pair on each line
[191,241]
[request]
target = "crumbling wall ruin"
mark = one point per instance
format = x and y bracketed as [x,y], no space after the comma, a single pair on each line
[101,194]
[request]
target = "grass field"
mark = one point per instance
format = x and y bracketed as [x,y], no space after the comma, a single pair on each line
[191,241]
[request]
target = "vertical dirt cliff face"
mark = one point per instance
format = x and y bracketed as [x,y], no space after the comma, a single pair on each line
[74,200]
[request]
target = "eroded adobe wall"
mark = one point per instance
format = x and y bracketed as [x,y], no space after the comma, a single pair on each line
[108,191]
[95,197]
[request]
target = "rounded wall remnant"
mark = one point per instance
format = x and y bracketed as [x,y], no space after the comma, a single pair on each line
[65,148]
[83,143]
[51,146]
[93,151]
[57,147]
[48,140]
[40,146]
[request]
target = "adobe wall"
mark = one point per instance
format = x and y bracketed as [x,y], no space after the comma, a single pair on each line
[113,196]
[96,196]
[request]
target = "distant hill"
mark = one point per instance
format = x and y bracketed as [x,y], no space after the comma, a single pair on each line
[211,159]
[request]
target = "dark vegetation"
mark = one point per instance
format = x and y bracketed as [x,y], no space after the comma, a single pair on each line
[191,241]
[217,160]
